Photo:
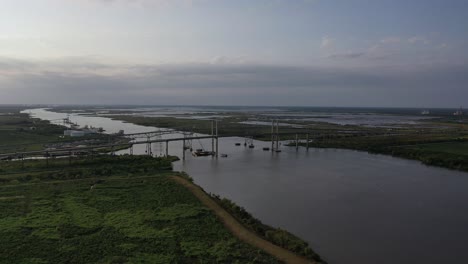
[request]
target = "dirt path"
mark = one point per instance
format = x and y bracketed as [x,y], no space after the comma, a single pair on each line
[238,229]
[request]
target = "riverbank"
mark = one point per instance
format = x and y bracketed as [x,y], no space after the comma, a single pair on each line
[407,141]
[443,151]
[348,205]
[240,231]
[20,132]
[112,199]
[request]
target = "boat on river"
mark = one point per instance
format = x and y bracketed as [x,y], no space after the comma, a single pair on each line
[202,153]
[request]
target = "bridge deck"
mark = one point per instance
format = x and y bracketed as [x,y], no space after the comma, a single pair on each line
[77,149]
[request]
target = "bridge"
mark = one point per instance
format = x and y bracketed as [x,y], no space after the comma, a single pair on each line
[149,139]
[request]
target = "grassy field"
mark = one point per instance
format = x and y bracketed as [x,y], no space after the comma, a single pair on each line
[20,132]
[448,150]
[133,213]
[457,148]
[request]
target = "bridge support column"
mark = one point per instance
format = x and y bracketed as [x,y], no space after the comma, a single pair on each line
[167,148]
[297,142]
[277,135]
[216,130]
[307,142]
[272,135]
[216,146]
[183,149]
[212,136]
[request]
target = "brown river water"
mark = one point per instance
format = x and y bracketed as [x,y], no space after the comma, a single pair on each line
[352,207]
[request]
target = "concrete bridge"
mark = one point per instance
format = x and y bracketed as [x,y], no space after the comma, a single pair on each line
[149,140]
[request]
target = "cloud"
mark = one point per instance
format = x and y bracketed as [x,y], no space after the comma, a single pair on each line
[228,60]
[347,55]
[443,46]
[389,40]
[327,42]
[89,80]
[418,39]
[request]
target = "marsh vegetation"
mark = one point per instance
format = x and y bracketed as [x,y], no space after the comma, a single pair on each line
[110,210]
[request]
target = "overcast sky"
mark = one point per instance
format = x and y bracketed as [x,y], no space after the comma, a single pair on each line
[236,52]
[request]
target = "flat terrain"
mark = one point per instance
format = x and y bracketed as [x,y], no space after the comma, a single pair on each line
[440,141]
[110,211]
[19,132]
[47,203]
[457,148]
[238,229]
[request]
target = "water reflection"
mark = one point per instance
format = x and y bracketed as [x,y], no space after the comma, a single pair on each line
[351,206]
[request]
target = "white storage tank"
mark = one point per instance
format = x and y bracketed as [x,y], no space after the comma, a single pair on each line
[77,133]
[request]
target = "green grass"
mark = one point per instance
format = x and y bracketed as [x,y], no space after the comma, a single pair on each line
[20,132]
[457,148]
[447,150]
[134,214]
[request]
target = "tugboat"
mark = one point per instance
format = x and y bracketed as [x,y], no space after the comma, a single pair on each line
[266,149]
[251,146]
[224,155]
[238,144]
[202,153]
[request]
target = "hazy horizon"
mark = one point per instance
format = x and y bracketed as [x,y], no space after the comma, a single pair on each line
[233,106]
[302,53]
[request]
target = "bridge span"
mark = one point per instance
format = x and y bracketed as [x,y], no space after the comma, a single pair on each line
[149,136]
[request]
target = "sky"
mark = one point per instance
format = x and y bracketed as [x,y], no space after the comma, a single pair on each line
[364,53]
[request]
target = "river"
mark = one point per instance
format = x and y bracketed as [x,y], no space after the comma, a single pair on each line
[351,206]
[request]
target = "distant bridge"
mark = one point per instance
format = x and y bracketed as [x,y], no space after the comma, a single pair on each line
[150,139]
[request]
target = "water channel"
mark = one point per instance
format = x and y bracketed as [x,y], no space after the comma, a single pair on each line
[352,207]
